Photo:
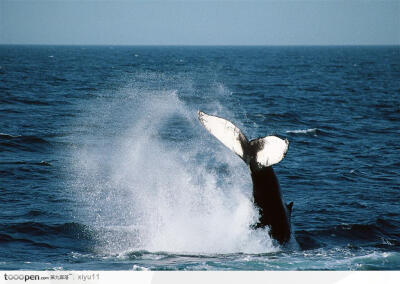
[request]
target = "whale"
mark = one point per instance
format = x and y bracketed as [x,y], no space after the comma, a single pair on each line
[260,155]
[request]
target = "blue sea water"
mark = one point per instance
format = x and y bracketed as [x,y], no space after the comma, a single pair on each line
[104,165]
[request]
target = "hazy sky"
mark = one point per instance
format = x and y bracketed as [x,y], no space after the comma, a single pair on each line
[134,22]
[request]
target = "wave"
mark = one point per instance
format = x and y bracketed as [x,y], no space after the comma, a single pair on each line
[22,142]
[4,238]
[41,163]
[8,136]
[313,131]
[54,236]
[30,102]
[379,234]
[36,228]
[22,138]
[14,100]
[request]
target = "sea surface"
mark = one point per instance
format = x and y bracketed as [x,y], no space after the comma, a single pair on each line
[104,165]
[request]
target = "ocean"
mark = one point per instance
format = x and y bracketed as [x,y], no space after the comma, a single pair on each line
[105,166]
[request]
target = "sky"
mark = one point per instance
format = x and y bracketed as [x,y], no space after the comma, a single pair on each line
[200,22]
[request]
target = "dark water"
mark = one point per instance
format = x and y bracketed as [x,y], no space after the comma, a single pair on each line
[103,164]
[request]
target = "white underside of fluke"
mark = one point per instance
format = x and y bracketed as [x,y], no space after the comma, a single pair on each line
[268,150]
[273,151]
[225,131]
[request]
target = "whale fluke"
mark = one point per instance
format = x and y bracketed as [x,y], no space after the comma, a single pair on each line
[260,152]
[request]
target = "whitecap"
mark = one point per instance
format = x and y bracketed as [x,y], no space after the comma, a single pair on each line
[303,131]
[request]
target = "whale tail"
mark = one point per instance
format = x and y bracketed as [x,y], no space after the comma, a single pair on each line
[259,153]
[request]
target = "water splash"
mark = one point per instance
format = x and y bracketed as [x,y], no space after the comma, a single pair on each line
[158,182]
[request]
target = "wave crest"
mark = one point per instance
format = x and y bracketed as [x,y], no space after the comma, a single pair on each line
[304,131]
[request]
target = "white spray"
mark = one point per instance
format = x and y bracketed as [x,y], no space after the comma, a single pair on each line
[150,178]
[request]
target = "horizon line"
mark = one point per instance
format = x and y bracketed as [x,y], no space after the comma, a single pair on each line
[204,45]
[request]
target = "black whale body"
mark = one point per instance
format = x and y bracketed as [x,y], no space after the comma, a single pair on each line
[268,198]
[259,154]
